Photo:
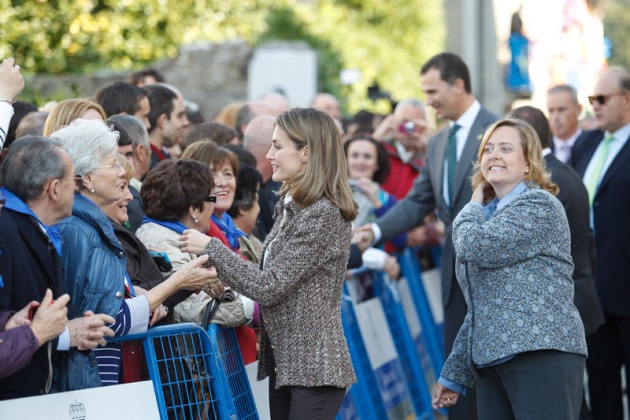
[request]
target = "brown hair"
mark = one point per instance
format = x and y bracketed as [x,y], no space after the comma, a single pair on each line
[326,172]
[217,132]
[206,151]
[532,150]
[69,110]
[173,186]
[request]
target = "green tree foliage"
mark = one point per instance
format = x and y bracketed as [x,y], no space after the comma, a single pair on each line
[616,23]
[387,40]
[60,36]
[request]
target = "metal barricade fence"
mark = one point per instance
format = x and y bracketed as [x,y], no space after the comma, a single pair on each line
[233,376]
[196,376]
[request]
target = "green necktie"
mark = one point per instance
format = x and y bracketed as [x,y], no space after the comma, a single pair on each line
[593,181]
[451,159]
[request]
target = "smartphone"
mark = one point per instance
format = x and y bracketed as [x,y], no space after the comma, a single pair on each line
[162,261]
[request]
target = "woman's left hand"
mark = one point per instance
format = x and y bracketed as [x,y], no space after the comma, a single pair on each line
[369,188]
[193,241]
[443,397]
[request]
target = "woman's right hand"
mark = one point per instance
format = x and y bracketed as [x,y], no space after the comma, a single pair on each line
[193,241]
[192,276]
[483,193]
[51,317]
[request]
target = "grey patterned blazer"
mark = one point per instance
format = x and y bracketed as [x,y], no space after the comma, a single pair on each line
[515,272]
[299,292]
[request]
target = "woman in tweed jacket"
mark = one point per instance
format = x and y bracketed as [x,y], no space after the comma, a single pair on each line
[522,338]
[299,281]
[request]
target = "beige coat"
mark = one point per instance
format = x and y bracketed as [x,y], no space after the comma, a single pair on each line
[299,293]
[230,314]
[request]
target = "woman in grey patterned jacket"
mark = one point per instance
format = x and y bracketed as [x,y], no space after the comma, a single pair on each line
[299,281]
[522,338]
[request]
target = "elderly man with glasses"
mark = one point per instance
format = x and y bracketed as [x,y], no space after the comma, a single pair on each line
[38,187]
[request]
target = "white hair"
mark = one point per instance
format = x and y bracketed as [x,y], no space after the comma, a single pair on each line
[87,142]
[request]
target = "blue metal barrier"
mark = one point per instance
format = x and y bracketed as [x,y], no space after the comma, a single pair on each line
[433,339]
[411,350]
[363,400]
[233,376]
[192,375]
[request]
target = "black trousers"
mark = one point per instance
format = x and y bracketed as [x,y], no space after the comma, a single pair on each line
[608,350]
[536,385]
[301,403]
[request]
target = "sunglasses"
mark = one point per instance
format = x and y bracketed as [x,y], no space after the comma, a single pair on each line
[602,99]
[211,199]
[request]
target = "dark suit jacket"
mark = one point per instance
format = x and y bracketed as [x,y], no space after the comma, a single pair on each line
[28,266]
[611,222]
[574,199]
[267,200]
[135,210]
[427,195]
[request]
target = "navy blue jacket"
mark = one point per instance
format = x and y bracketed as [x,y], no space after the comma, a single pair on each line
[611,222]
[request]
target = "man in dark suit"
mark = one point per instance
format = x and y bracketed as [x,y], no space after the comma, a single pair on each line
[602,159]
[574,199]
[446,84]
[39,183]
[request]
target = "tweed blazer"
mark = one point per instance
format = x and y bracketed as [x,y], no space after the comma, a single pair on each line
[515,272]
[299,293]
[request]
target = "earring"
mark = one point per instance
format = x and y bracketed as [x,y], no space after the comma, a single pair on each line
[196,220]
[526,171]
[92,189]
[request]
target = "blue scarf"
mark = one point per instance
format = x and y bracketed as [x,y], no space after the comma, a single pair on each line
[227,226]
[19,206]
[175,226]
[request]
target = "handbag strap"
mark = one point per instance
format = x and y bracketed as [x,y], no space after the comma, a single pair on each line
[209,311]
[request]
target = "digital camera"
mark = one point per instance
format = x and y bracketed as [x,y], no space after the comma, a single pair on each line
[407,127]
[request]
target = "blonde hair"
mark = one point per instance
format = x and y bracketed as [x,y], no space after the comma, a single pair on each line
[325,173]
[69,110]
[127,166]
[532,150]
[227,115]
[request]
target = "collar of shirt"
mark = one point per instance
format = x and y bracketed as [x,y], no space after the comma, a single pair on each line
[465,122]
[497,204]
[569,142]
[403,154]
[546,151]
[620,135]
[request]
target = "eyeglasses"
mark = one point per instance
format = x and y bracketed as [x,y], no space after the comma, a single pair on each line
[602,99]
[117,166]
[77,178]
[211,199]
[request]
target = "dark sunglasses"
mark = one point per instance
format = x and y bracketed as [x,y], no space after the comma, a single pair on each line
[602,99]
[211,199]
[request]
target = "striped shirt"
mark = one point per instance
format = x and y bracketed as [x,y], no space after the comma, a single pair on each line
[132,318]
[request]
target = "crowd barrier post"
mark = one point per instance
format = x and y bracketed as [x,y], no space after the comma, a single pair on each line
[379,369]
[432,330]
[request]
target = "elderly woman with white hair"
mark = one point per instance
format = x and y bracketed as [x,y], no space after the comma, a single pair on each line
[94,260]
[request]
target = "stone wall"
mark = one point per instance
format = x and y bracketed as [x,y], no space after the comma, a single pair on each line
[211,75]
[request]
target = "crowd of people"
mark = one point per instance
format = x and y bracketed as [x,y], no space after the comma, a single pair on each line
[129,209]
